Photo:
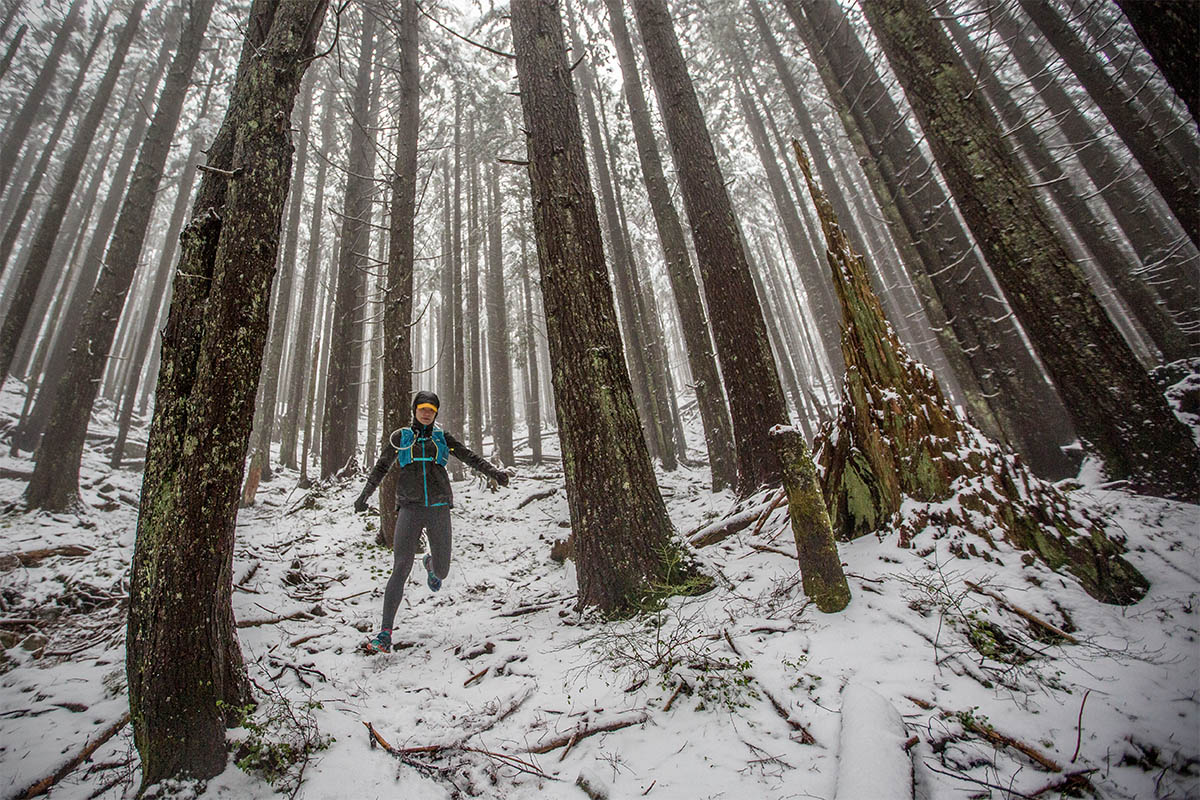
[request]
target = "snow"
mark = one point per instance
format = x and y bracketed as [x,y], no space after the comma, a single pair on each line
[722,689]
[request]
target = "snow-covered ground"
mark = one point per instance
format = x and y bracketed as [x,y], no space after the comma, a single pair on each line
[738,693]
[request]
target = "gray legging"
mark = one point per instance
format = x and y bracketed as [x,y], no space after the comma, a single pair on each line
[410,521]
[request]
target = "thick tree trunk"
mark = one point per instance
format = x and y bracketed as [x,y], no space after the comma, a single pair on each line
[339,423]
[398,290]
[621,532]
[211,359]
[499,374]
[743,348]
[55,481]
[1170,30]
[19,125]
[1115,405]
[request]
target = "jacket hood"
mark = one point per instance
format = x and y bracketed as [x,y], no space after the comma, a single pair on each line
[425,397]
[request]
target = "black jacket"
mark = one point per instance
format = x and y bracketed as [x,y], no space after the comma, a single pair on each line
[424,483]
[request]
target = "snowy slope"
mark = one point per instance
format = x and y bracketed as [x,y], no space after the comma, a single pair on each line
[734,694]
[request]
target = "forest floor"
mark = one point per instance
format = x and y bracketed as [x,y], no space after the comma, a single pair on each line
[737,693]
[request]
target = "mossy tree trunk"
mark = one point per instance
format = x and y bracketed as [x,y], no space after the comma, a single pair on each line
[183,659]
[620,527]
[898,437]
[1116,408]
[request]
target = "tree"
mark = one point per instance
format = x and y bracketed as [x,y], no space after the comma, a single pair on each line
[211,359]
[897,438]
[339,424]
[19,125]
[710,398]
[55,481]
[1171,32]
[743,348]
[620,528]
[1114,404]
[398,289]
[499,376]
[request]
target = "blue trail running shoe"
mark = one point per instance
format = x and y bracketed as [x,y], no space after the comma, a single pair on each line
[433,580]
[382,643]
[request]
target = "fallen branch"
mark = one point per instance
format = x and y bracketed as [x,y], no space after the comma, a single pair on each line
[581,732]
[405,754]
[1008,790]
[538,496]
[254,623]
[31,558]
[521,610]
[476,677]
[723,528]
[995,737]
[1041,623]
[43,786]
[776,503]
[1072,780]
[1079,726]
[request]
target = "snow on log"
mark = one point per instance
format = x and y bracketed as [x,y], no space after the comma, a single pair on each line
[872,761]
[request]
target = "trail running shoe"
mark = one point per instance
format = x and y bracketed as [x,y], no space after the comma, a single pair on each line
[382,643]
[433,580]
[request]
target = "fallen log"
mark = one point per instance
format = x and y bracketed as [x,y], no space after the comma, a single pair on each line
[31,558]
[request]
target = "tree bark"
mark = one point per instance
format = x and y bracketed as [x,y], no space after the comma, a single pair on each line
[620,528]
[211,360]
[339,424]
[1114,404]
[499,374]
[743,348]
[533,404]
[398,290]
[55,482]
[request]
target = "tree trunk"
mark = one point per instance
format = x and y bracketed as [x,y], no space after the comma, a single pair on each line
[743,349]
[398,291]
[339,424]
[75,159]
[620,528]
[55,481]
[1006,396]
[211,358]
[499,374]
[1108,258]
[305,341]
[1171,33]
[1169,177]
[533,405]
[714,413]
[265,416]
[162,277]
[13,47]
[19,125]
[1115,405]
[473,314]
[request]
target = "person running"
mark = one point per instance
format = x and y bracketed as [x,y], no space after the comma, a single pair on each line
[424,499]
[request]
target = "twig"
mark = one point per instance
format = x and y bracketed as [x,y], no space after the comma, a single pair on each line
[1079,726]
[43,786]
[994,736]
[225,173]
[476,676]
[583,733]
[762,520]
[537,496]
[805,736]
[678,689]
[254,623]
[458,35]
[1022,612]
[1010,792]
[403,753]
[1072,780]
